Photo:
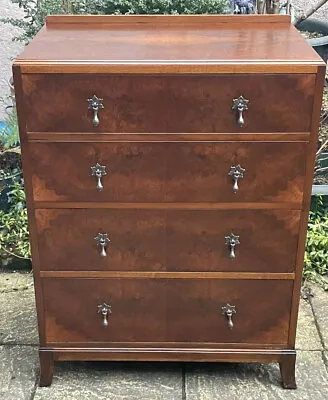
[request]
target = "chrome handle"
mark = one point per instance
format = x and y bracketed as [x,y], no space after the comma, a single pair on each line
[99,171]
[237,172]
[104,309]
[232,240]
[95,104]
[240,104]
[229,310]
[102,239]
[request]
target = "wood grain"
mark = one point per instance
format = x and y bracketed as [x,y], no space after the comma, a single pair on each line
[71,310]
[169,206]
[156,20]
[28,188]
[168,44]
[168,275]
[168,172]
[256,67]
[168,103]
[287,370]
[170,354]
[46,367]
[168,137]
[150,240]
[205,347]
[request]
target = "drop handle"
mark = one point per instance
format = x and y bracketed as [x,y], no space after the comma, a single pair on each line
[236,172]
[102,240]
[104,309]
[99,171]
[95,104]
[240,105]
[229,310]
[232,241]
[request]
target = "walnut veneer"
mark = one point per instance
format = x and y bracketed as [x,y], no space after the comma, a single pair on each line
[166,223]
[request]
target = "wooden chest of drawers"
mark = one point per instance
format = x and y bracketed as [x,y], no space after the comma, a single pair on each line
[168,165]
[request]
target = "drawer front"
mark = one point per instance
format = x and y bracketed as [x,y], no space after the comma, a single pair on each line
[166,310]
[181,103]
[170,172]
[168,240]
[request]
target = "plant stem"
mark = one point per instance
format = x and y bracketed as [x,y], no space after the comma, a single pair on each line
[322,147]
[321,169]
[11,150]
[15,255]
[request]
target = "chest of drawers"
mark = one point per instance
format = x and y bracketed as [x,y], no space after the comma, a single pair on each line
[168,165]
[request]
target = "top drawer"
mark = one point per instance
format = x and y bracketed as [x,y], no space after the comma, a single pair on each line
[168,103]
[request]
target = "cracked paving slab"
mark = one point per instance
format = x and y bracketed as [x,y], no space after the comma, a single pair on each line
[325,359]
[114,381]
[18,365]
[257,381]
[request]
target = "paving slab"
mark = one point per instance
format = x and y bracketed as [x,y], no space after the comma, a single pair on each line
[320,309]
[18,366]
[14,281]
[257,381]
[307,337]
[18,318]
[114,381]
[325,359]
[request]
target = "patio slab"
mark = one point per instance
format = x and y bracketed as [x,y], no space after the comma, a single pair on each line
[257,381]
[18,365]
[114,381]
[320,309]
[18,318]
[19,368]
[307,337]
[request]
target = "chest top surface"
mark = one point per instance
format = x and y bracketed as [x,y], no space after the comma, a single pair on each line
[207,43]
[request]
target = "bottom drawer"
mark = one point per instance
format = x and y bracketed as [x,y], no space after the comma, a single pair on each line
[166,310]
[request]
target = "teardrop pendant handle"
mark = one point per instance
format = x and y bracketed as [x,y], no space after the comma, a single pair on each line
[240,104]
[229,310]
[95,104]
[232,240]
[104,309]
[236,172]
[99,171]
[102,240]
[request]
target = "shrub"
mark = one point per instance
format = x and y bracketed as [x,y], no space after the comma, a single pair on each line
[36,10]
[14,235]
[316,249]
[164,6]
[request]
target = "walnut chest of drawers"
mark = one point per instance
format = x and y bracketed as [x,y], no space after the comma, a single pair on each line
[168,165]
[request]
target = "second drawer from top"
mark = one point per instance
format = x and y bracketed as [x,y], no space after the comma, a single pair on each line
[168,172]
